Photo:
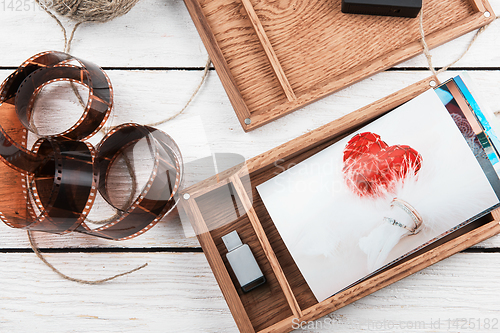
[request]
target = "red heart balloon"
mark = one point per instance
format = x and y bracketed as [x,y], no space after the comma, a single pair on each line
[372,167]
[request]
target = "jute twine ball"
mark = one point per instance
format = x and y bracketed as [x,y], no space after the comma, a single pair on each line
[92,10]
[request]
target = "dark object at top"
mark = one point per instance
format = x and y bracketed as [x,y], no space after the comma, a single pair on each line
[401,8]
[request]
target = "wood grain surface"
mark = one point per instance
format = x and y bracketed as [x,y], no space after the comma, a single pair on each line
[214,223]
[283,55]
[154,58]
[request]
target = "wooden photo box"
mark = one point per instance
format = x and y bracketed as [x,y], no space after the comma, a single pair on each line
[286,297]
[275,56]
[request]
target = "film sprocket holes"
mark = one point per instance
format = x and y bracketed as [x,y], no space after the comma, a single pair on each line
[52,187]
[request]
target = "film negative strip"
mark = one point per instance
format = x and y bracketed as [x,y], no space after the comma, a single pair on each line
[157,197]
[52,186]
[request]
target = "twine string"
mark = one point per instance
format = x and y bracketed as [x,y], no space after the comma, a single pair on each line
[427,52]
[105,10]
[93,10]
[34,246]
[98,11]
[193,95]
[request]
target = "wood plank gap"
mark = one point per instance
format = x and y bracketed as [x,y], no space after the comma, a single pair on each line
[168,250]
[106,250]
[266,246]
[217,265]
[482,250]
[423,69]
[183,69]
[268,48]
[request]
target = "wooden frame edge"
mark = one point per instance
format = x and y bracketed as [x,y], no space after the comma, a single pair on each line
[217,265]
[269,50]
[218,59]
[433,40]
[321,134]
[392,275]
[307,141]
[266,246]
[340,126]
[478,5]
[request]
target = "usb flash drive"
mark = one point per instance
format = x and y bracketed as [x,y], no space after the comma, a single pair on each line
[243,262]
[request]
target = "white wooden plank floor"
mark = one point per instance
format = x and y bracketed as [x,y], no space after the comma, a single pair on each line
[154,58]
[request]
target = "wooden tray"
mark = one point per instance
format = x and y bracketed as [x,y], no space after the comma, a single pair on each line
[286,298]
[274,56]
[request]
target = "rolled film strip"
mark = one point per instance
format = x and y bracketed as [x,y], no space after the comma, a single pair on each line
[52,186]
[157,197]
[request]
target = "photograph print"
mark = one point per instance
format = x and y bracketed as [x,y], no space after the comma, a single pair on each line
[380,193]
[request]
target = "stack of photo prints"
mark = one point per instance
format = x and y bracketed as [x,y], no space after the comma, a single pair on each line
[404,181]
